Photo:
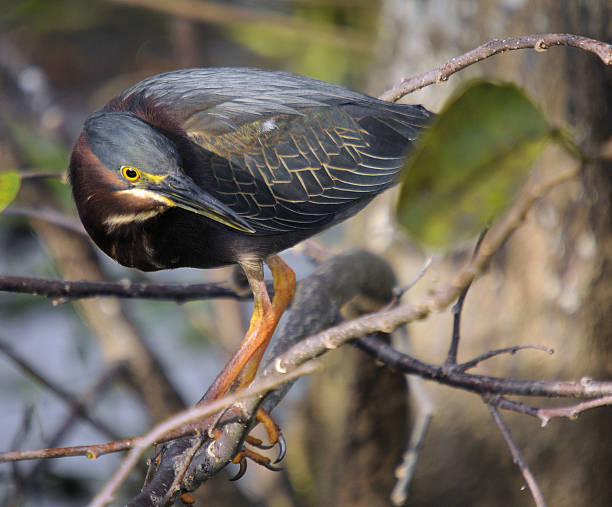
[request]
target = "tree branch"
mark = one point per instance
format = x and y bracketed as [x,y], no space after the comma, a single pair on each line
[63,289]
[462,367]
[517,457]
[479,384]
[74,404]
[539,42]
[572,411]
[49,215]
[315,306]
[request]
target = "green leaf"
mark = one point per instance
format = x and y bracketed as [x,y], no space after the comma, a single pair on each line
[9,186]
[468,166]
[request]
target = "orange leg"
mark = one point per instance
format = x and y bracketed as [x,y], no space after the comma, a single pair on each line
[240,370]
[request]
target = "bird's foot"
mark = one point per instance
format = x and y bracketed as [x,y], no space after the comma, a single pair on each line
[282,445]
[275,437]
[245,454]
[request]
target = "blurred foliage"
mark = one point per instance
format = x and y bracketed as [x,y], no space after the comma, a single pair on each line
[10,182]
[42,151]
[317,59]
[38,149]
[44,16]
[468,167]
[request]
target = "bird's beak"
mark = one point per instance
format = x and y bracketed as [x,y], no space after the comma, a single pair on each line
[180,190]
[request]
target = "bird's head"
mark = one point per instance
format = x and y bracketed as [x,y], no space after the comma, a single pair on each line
[124,172]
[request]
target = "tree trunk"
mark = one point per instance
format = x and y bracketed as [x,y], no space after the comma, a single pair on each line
[552,282]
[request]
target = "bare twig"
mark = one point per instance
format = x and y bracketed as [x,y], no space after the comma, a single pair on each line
[516,406]
[517,458]
[539,42]
[572,411]
[49,215]
[66,397]
[457,309]
[425,408]
[17,479]
[400,291]
[33,174]
[90,451]
[63,289]
[492,353]
[546,414]
[86,399]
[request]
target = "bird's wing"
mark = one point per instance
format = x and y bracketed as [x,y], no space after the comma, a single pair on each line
[288,172]
[286,152]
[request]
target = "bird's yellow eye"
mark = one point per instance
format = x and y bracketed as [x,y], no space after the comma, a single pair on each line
[130,173]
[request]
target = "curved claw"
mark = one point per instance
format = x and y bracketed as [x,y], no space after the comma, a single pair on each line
[270,466]
[282,448]
[242,470]
[280,441]
[257,442]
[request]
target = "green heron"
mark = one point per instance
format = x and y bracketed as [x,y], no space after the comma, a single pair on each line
[209,167]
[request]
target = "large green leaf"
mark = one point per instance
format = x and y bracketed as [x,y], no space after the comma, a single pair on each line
[9,186]
[469,165]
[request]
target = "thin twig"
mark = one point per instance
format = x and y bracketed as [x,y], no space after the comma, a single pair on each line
[22,432]
[539,42]
[572,411]
[65,396]
[33,174]
[50,216]
[516,456]
[516,406]
[424,409]
[67,290]
[86,399]
[496,352]
[90,451]
[399,292]
[546,414]
[457,309]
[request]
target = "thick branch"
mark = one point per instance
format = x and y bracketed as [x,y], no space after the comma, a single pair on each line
[316,305]
[539,42]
